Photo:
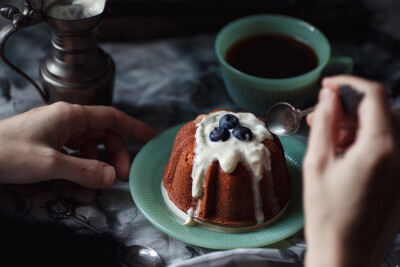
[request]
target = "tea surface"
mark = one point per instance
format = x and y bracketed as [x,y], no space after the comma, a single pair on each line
[272,56]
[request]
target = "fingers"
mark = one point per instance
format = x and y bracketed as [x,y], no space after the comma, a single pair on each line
[347,122]
[86,172]
[323,135]
[116,148]
[91,124]
[309,119]
[109,118]
[374,107]
[74,120]
[345,139]
[373,113]
[346,131]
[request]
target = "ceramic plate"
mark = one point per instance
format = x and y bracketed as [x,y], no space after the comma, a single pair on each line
[145,186]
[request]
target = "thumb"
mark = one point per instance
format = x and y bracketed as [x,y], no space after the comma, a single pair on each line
[86,172]
[322,139]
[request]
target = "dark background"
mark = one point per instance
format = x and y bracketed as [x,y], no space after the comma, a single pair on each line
[366,30]
[149,19]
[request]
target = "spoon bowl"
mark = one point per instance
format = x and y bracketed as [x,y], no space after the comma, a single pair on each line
[136,255]
[283,119]
[132,256]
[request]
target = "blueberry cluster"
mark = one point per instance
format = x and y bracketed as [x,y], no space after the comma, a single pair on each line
[226,123]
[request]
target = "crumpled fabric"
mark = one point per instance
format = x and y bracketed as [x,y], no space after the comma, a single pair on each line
[163,83]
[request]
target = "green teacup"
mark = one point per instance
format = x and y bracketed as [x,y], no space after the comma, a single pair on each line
[256,94]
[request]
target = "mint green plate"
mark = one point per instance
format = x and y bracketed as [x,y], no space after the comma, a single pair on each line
[145,185]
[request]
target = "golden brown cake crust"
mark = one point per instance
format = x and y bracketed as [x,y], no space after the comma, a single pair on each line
[224,199]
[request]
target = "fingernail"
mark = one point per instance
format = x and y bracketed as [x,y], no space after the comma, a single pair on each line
[326,94]
[108,175]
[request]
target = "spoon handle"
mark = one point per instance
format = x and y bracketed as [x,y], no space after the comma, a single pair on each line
[306,111]
[349,98]
[82,222]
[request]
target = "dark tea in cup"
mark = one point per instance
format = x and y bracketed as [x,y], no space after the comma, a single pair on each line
[269,58]
[273,56]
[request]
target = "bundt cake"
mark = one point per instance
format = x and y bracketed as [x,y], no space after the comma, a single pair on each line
[227,169]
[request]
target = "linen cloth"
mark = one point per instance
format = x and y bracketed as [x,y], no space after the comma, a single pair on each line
[163,83]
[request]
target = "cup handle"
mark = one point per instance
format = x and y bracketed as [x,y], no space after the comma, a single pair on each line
[19,20]
[347,62]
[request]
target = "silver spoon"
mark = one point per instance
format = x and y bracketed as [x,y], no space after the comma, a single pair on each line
[133,256]
[284,119]
[140,256]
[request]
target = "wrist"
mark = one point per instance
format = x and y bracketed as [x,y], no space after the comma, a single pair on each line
[338,253]
[327,255]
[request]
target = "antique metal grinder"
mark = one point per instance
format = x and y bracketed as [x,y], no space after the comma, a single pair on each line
[76,70]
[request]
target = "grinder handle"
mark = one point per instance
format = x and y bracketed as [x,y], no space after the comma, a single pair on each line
[19,20]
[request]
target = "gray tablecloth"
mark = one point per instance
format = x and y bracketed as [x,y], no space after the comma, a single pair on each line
[163,83]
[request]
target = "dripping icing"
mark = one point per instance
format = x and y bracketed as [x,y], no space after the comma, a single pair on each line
[230,152]
[190,220]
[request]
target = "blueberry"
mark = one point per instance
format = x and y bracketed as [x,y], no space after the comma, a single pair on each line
[219,134]
[229,121]
[242,133]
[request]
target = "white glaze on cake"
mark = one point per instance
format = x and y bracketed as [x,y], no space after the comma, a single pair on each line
[230,152]
[194,222]
[189,220]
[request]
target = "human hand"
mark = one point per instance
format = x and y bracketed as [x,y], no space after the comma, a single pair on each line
[32,144]
[351,200]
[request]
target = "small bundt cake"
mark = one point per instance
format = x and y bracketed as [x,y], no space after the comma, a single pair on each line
[227,169]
